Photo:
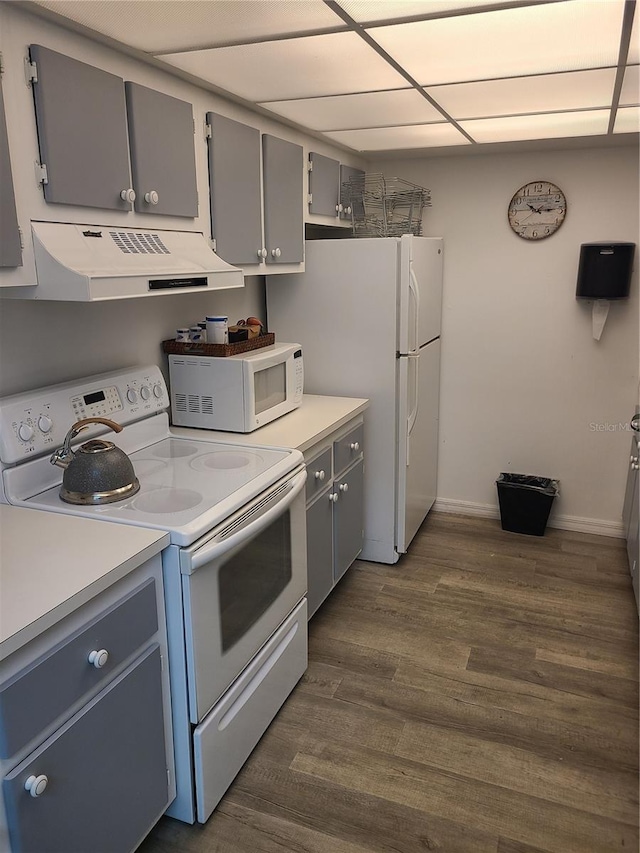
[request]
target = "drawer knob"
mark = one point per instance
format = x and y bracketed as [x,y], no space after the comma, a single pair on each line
[344,487]
[333,497]
[320,475]
[36,785]
[355,445]
[98,658]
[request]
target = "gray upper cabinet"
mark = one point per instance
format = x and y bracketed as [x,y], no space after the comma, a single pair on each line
[282,176]
[10,250]
[346,173]
[324,180]
[82,131]
[234,181]
[161,136]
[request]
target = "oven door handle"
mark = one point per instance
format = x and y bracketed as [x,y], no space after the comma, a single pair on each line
[216,548]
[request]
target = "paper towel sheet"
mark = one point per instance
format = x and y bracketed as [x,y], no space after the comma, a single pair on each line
[599,316]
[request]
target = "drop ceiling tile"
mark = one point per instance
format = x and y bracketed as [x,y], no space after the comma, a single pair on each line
[409,136]
[634,45]
[627,120]
[543,93]
[172,25]
[384,10]
[343,112]
[546,126]
[524,40]
[630,93]
[332,64]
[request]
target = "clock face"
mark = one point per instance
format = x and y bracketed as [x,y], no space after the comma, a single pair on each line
[537,210]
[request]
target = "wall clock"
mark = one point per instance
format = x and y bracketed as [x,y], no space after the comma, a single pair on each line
[537,210]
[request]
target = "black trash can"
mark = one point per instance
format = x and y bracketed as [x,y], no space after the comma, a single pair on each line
[525,502]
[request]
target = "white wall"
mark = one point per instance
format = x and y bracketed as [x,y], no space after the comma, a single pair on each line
[525,387]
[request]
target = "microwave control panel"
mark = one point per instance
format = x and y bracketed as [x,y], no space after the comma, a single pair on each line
[37,421]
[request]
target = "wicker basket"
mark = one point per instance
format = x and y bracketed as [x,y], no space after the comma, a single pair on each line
[218,350]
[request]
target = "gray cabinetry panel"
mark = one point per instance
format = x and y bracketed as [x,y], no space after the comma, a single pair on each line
[324,179]
[10,250]
[283,163]
[319,551]
[347,172]
[106,769]
[348,448]
[82,131]
[347,520]
[37,696]
[162,151]
[234,181]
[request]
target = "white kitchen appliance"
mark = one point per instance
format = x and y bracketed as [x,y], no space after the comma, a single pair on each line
[238,393]
[367,313]
[234,573]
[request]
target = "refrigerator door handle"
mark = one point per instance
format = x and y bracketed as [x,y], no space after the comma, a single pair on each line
[411,420]
[413,288]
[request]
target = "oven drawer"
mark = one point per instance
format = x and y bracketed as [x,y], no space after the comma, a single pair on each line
[347,449]
[37,696]
[226,737]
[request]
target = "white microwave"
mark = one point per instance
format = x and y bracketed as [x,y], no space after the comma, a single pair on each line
[238,393]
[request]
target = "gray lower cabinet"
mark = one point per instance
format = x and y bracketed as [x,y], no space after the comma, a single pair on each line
[10,246]
[631,514]
[234,183]
[102,775]
[282,180]
[91,166]
[335,494]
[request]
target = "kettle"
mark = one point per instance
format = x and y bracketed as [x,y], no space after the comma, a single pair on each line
[98,472]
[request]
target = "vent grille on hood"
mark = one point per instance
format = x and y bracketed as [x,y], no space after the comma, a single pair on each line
[139,243]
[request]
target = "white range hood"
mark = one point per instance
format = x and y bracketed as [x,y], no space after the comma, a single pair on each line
[89,262]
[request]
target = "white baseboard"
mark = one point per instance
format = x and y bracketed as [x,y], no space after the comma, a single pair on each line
[599,526]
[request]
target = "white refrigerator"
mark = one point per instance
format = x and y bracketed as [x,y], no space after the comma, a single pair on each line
[367,314]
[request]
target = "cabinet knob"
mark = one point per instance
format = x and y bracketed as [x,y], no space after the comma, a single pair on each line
[355,446]
[333,497]
[98,658]
[633,459]
[635,466]
[348,209]
[344,487]
[339,208]
[262,253]
[36,785]
[128,195]
[320,475]
[275,253]
[151,197]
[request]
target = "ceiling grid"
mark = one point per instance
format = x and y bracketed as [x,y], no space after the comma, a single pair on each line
[382,76]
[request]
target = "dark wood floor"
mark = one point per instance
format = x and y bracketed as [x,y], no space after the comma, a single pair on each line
[481,696]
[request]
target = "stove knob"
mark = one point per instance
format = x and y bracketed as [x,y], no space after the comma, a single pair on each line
[25,432]
[157,390]
[44,423]
[132,396]
[145,393]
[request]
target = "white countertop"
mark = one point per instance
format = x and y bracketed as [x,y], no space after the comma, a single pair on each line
[316,418]
[51,564]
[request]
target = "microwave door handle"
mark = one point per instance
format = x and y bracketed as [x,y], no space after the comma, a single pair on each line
[213,550]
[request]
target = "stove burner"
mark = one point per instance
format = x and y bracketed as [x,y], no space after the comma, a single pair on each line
[224,459]
[166,500]
[173,449]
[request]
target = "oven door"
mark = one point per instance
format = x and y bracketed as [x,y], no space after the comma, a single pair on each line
[238,585]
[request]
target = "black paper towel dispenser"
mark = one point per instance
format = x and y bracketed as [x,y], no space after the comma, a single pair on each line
[604,271]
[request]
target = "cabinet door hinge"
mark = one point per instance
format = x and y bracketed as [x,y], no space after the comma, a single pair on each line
[1,65]
[214,244]
[41,173]
[207,131]
[21,235]
[310,198]
[309,165]
[30,71]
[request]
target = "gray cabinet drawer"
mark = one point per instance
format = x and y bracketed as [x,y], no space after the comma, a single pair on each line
[347,449]
[318,473]
[39,694]
[106,772]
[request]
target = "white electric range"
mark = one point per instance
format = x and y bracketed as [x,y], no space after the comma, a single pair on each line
[234,574]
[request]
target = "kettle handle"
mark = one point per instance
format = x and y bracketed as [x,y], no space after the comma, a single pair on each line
[63,455]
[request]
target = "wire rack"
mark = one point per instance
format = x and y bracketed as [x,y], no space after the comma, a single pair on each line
[385,207]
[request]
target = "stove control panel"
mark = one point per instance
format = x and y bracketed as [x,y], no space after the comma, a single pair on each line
[36,422]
